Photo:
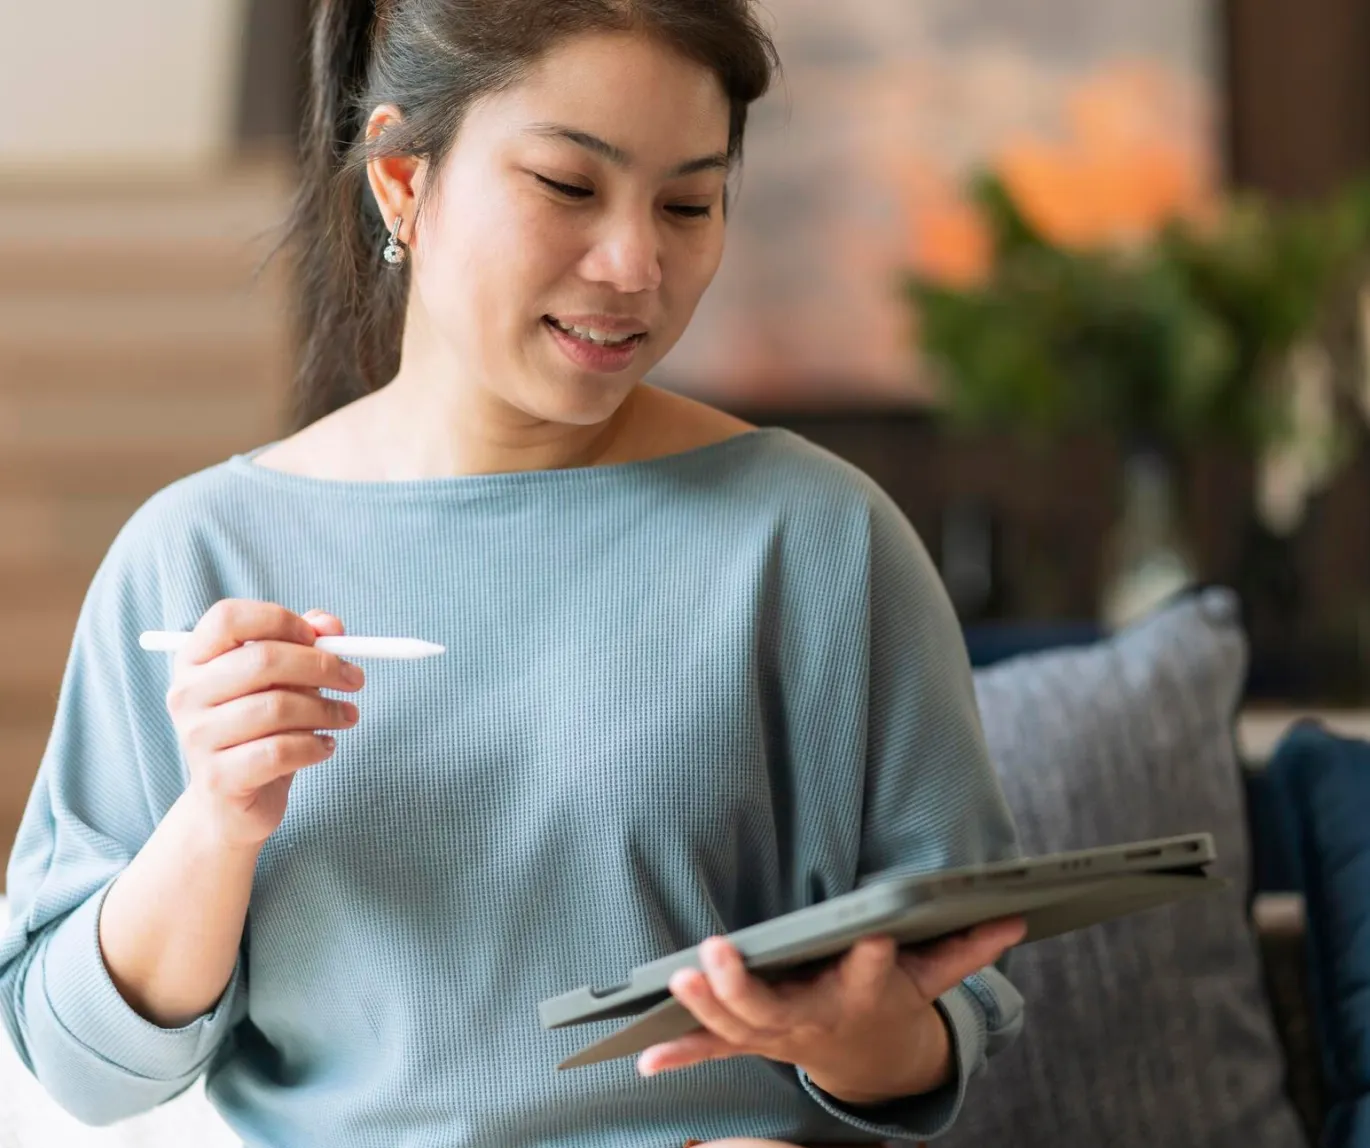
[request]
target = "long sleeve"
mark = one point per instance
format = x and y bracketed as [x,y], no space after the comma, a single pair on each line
[932,798]
[110,769]
[739,636]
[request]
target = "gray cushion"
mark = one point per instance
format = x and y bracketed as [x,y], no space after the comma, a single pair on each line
[1153,1030]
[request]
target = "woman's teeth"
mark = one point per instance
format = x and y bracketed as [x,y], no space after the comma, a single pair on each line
[590,335]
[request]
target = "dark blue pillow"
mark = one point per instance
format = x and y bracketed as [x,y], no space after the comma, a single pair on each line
[1322,785]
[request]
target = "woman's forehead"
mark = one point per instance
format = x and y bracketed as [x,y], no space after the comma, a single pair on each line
[602,84]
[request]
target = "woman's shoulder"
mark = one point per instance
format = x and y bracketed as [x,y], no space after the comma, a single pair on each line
[827,508]
[200,495]
[160,548]
[797,476]
[174,516]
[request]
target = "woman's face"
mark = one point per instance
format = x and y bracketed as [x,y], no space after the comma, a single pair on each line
[576,223]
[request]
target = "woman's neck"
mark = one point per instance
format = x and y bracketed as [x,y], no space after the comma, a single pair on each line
[426,432]
[399,434]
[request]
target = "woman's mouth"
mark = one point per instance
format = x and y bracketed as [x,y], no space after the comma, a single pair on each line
[594,349]
[593,335]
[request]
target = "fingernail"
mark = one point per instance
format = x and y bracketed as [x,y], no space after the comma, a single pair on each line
[329,743]
[350,712]
[712,958]
[353,675]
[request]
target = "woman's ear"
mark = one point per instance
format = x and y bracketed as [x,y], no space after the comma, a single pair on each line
[395,180]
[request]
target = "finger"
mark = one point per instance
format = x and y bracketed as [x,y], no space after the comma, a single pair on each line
[811,982]
[231,622]
[941,967]
[864,973]
[693,1049]
[244,769]
[261,715]
[747,997]
[265,665]
[692,989]
[324,623]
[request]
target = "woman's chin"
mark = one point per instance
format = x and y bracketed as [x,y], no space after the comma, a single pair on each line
[576,398]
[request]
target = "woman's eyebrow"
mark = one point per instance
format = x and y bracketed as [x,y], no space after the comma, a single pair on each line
[718,161]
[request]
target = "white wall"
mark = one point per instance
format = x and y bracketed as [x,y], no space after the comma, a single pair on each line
[118,84]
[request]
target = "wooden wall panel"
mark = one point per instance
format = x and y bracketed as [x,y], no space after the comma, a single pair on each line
[138,343]
[1298,93]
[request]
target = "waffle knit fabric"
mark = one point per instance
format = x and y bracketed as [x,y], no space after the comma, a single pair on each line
[680,696]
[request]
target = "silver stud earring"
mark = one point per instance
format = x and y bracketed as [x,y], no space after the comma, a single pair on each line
[396,253]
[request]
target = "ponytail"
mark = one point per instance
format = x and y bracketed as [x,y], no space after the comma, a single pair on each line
[350,303]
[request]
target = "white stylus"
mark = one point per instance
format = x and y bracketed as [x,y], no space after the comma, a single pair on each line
[345,646]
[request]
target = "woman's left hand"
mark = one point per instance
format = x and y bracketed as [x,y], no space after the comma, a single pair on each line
[865,1029]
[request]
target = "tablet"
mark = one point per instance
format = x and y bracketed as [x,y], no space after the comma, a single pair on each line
[1054,893]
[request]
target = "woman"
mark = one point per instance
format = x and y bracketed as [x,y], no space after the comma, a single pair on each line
[698,674]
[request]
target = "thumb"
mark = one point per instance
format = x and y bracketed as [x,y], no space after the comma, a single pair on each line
[323,623]
[940,967]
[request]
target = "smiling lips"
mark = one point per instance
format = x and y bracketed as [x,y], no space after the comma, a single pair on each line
[601,330]
[600,343]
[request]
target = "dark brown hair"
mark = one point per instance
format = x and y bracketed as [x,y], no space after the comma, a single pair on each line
[431,59]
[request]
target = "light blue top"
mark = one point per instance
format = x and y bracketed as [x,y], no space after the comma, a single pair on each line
[681,696]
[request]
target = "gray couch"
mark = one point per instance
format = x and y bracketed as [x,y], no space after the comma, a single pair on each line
[1182,1026]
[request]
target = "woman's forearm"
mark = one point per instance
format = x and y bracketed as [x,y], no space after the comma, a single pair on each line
[171,924]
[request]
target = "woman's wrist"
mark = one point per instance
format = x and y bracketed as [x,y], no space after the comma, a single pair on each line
[201,822]
[911,1064]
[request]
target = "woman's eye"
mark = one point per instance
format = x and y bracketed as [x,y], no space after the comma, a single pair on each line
[574,191]
[570,190]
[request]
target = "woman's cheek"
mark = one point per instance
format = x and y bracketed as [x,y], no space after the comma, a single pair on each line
[550,238]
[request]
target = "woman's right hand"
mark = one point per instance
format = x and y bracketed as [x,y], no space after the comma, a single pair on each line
[245,701]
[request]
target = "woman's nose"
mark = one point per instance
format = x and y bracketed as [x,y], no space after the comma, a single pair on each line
[626,256]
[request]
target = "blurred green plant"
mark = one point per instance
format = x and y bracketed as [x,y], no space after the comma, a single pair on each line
[1180,341]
